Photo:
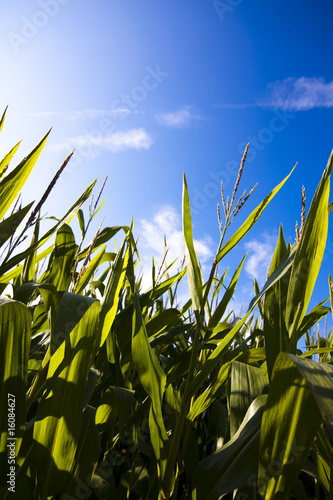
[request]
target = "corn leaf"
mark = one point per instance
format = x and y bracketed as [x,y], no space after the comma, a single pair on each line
[114,285]
[80,217]
[107,411]
[11,185]
[216,356]
[30,266]
[59,415]
[220,310]
[163,320]
[330,284]
[2,119]
[193,269]
[214,390]
[247,383]
[312,318]
[9,225]
[7,159]
[309,255]
[15,332]
[87,454]
[6,278]
[274,325]
[103,237]
[153,380]
[236,462]
[6,266]
[89,272]
[330,207]
[249,222]
[300,398]
[60,274]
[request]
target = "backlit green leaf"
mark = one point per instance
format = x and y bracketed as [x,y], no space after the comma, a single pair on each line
[193,269]
[12,183]
[300,397]
[153,380]
[59,415]
[15,331]
[309,255]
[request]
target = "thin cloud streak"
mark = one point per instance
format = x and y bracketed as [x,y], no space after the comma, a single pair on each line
[292,94]
[236,106]
[90,114]
[180,118]
[93,143]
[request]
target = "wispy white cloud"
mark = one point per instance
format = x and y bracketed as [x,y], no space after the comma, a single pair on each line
[90,144]
[260,253]
[237,106]
[182,117]
[299,94]
[166,222]
[83,114]
[293,94]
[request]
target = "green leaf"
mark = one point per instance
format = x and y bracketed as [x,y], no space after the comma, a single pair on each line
[60,273]
[312,318]
[113,287]
[220,310]
[19,257]
[247,383]
[7,159]
[153,380]
[107,411]
[300,397]
[80,217]
[30,266]
[87,454]
[8,226]
[216,355]
[330,284]
[250,221]
[309,255]
[150,297]
[330,207]
[59,414]
[6,278]
[15,332]
[11,185]
[89,272]
[193,269]
[162,321]
[103,237]
[213,391]
[274,305]
[319,379]
[2,120]
[236,463]
[282,269]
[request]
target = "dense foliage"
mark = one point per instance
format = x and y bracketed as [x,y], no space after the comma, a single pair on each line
[114,392]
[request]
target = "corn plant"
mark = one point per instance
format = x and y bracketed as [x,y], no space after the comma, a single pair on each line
[119,393]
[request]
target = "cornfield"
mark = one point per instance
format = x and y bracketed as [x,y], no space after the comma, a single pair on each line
[112,392]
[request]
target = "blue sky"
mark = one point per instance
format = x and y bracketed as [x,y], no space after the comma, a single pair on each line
[147,90]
